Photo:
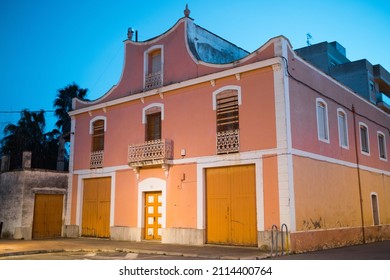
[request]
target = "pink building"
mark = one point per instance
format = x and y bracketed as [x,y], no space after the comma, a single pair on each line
[201,142]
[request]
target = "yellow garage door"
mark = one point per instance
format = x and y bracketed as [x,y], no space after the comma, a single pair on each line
[96,207]
[231,205]
[47,220]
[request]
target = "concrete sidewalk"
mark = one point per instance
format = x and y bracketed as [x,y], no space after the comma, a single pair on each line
[9,247]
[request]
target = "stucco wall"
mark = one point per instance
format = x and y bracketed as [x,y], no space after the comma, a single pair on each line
[17,195]
[328,209]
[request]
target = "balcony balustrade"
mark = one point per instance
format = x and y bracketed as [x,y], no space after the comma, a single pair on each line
[96,160]
[153,80]
[228,141]
[154,152]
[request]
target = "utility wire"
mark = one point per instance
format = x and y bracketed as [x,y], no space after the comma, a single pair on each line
[330,98]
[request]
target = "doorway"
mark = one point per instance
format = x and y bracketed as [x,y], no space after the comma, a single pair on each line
[153,215]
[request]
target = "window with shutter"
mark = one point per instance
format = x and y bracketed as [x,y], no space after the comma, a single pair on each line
[227,122]
[153,126]
[98,136]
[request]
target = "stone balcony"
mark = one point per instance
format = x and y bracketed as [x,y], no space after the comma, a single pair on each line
[153,80]
[150,153]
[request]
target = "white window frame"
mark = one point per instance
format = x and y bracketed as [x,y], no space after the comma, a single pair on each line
[97,118]
[146,108]
[361,124]
[374,194]
[325,139]
[380,133]
[222,89]
[341,133]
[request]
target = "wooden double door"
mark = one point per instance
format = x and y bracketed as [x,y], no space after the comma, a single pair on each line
[96,207]
[231,205]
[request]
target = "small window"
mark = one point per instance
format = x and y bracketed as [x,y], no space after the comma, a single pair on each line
[343,128]
[322,121]
[382,146]
[98,136]
[364,140]
[375,209]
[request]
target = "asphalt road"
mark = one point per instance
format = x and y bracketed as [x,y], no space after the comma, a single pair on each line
[369,251]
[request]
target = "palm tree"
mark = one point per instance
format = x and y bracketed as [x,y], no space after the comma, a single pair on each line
[63,105]
[27,135]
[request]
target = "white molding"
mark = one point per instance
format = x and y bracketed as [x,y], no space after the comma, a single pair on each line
[338,161]
[222,89]
[372,208]
[230,160]
[368,139]
[285,46]
[146,61]
[340,110]
[151,185]
[229,72]
[80,193]
[384,145]
[160,105]
[320,100]
[104,118]
[71,172]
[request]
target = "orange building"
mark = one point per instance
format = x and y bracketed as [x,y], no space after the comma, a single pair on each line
[202,142]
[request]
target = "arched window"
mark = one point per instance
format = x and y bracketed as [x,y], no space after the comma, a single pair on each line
[152,116]
[382,146]
[98,135]
[226,104]
[364,139]
[153,67]
[97,130]
[322,120]
[343,128]
[375,209]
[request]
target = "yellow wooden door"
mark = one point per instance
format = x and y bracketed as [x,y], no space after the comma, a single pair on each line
[96,207]
[218,206]
[47,220]
[231,205]
[243,205]
[153,215]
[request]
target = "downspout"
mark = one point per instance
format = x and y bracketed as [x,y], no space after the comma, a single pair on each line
[358,172]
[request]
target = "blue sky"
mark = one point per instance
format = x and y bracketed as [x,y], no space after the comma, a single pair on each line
[47,44]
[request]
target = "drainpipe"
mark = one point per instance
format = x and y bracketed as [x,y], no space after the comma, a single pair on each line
[358,172]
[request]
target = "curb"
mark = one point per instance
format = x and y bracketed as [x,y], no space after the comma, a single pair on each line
[134,251]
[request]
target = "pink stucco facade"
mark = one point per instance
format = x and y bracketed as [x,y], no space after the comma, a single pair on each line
[312,186]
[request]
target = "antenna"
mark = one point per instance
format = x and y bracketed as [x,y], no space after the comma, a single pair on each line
[308,38]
